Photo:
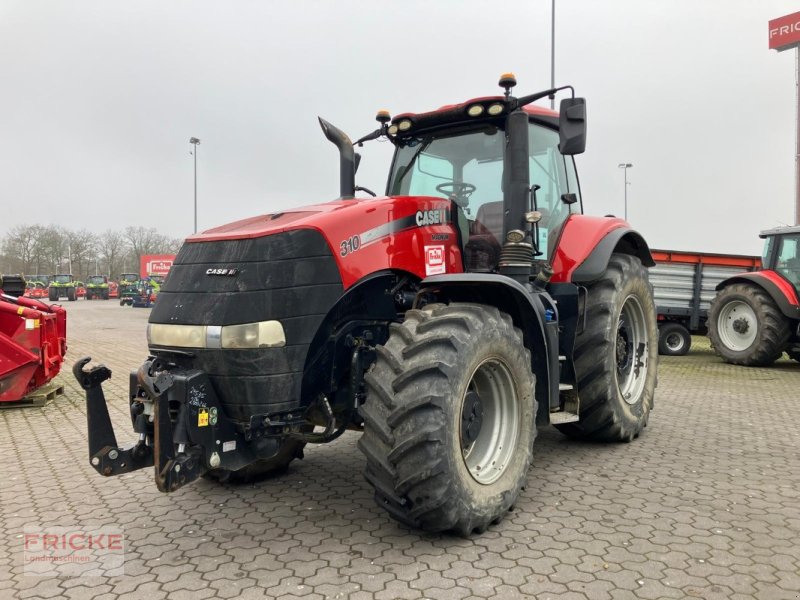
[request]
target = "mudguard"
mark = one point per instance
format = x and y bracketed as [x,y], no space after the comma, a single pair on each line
[587,243]
[780,290]
[534,312]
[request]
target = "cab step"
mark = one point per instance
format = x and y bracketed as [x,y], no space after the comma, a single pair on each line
[562,416]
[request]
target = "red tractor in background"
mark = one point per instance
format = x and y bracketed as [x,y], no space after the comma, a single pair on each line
[445,320]
[755,317]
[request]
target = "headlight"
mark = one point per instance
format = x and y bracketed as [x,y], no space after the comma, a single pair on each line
[265,334]
[404,125]
[476,110]
[182,336]
[495,109]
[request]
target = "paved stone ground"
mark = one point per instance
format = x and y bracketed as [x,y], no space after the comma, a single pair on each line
[706,504]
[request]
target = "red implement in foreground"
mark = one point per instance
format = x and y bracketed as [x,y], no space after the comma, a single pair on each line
[33,341]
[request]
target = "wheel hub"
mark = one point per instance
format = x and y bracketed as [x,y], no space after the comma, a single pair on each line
[741,325]
[471,419]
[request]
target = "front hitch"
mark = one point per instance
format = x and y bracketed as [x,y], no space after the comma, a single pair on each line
[105,455]
[183,430]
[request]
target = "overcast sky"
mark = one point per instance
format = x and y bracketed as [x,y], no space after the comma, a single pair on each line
[99,100]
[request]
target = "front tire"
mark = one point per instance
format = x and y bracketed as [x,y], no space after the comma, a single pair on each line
[674,339]
[616,355]
[449,419]
[746,327]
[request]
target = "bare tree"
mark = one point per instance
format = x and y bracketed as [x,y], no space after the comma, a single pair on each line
[21,244]
[111,248]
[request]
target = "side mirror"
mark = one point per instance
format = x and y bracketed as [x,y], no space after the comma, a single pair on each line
[572,126]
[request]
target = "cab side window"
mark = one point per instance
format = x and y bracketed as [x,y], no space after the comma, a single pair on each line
[555,176]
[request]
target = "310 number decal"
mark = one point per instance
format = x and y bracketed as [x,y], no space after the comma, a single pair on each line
[349,245]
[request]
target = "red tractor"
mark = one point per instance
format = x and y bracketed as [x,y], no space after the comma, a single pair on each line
[445,320]
[755,317]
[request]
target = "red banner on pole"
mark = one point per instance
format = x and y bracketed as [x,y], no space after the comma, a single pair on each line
[784,32]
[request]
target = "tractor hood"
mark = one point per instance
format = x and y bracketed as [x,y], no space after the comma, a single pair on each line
[295,218]
[358,234]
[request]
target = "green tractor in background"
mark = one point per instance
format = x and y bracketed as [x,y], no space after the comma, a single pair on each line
[128,288]
[97,287]
[155,282]
[61,286]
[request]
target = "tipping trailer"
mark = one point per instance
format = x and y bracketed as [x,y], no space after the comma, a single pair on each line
[684,284]
[444,320]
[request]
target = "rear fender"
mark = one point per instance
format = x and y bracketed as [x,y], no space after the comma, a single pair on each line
[780,290]
[587,243]
[526,309]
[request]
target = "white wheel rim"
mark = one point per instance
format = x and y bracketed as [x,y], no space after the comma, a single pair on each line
[674,341]
[489,454]
[631,344]
[737,325]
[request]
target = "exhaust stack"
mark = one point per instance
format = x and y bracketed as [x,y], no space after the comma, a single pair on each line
[347,161]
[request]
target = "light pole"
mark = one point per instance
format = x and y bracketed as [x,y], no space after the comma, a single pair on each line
[625,167]
[553,52]
[195,141]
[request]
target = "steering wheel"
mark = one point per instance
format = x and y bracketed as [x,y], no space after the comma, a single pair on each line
[458,192]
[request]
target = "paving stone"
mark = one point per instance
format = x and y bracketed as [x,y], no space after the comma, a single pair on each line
[704,504]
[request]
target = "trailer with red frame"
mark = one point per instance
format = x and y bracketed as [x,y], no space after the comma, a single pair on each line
[445,320]
[684,283]
[755,317]
[32,344]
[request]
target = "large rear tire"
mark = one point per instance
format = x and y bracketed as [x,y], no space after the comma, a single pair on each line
[52,294]
[449,419]
[71,296]
[616,355]
[674,339]
[746,327]
[261,469]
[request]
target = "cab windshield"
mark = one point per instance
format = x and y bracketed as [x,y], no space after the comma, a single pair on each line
[96,279]
[467,167]
[63,278]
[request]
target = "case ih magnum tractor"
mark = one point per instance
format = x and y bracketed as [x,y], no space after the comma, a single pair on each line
[444,320]
[755,317]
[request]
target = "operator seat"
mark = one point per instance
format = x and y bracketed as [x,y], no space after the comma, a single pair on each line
[482,250]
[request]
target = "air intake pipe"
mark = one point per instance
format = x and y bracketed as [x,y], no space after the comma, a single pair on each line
[347,160]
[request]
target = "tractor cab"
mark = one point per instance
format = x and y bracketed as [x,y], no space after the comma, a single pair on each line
[96,280]
[468,165]
[63,279]
[505,164]
[782,253]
